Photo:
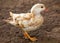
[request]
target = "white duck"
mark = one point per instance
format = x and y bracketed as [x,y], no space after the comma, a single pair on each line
[29,21]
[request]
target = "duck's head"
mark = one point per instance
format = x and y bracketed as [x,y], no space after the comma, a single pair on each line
[37,8]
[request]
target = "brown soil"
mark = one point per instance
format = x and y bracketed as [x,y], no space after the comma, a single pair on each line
[49,32]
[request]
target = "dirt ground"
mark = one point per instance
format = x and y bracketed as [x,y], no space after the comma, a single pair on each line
[49,32]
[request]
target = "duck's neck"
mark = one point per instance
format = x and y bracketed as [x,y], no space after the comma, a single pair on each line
[36,12]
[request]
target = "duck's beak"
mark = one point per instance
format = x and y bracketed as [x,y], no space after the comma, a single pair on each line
[46,10]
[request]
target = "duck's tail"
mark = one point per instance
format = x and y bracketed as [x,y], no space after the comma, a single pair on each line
[9,19]
[11,14]
[10,22]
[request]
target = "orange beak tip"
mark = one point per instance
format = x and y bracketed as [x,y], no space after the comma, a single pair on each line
[46,10]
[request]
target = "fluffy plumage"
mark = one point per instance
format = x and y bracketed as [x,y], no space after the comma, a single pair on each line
[29,21]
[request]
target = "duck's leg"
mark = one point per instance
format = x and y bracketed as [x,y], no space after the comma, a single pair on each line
[26,35]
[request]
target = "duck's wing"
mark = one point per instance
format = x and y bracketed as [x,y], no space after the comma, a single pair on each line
[24,19]
[18,17]
[29,21]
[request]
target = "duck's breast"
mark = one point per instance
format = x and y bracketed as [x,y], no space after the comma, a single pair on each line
[33,23]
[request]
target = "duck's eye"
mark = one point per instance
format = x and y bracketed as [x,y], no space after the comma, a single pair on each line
[41,6]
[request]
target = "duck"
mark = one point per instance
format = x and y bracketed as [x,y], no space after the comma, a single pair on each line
[29,21]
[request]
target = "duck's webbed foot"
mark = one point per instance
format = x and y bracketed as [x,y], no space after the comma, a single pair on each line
[26,35]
